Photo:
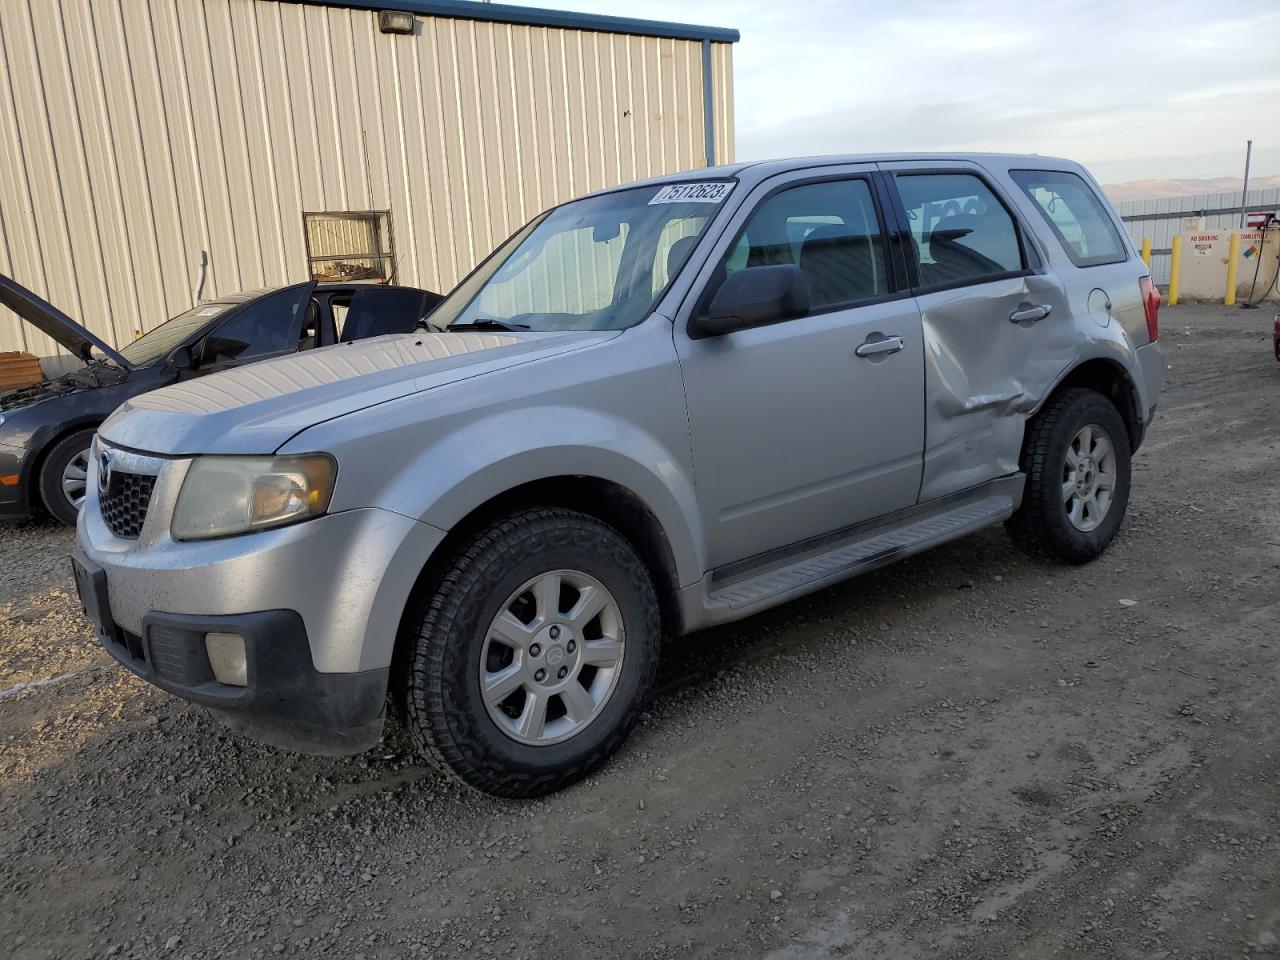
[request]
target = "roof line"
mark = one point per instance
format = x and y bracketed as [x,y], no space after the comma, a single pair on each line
[539,17]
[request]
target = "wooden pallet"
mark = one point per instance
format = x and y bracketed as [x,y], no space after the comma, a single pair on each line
[19,370]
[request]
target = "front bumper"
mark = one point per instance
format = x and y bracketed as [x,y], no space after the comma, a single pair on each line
[319,604]
[15,500]
[285,701]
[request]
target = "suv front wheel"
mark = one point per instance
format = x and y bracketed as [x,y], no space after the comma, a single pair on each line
[1077,462]
[530,660]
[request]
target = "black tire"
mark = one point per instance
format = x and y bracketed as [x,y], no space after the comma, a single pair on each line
[1041,526]
[439,680]
[50,479]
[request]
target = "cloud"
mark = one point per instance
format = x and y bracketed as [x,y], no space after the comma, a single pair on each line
[1133,90]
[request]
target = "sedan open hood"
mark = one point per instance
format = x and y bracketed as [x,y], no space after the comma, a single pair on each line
[53,323]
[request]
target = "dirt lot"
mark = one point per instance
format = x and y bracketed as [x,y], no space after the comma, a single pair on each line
[966,755]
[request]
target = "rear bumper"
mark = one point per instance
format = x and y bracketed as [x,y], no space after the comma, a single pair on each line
[1151,367]
[286,701]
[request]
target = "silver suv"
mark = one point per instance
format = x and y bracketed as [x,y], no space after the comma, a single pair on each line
[652,409]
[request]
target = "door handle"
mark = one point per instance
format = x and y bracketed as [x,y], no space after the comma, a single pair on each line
[1030,312]
[876,348]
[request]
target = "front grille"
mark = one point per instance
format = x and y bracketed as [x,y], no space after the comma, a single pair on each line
[125,501]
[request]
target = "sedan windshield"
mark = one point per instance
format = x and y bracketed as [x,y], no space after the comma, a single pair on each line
[599,263]
[158,343]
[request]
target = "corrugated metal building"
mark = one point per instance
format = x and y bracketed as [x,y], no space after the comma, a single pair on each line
[282,139]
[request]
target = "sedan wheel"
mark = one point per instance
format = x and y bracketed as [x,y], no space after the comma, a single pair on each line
[63,480]
[75,479]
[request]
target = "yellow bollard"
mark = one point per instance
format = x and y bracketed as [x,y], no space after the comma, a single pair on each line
[1175,267]
[1233,264]
[1146,251]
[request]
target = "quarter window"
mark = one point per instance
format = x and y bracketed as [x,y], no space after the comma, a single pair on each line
[1075,213]
[829,230]
[960,231]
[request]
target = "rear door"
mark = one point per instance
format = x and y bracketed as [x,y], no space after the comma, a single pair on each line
[815,423]
[995,321]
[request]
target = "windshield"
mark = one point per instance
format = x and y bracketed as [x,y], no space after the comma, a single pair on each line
[158,343]
[598,263]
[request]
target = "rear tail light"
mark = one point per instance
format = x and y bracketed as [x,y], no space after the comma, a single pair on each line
[1150,301]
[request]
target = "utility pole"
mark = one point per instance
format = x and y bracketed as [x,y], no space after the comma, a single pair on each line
[1244,193]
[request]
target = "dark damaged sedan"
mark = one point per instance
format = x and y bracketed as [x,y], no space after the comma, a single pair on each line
[45,429]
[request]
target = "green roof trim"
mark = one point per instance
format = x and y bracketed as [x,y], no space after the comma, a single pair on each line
[539,17]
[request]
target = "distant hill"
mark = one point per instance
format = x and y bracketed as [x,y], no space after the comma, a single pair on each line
[1152,189]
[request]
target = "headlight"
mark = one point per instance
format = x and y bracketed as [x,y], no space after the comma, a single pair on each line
[222,496]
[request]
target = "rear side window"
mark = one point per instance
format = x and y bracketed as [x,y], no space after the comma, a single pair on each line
[1076,215]
[829,230]
[960,231]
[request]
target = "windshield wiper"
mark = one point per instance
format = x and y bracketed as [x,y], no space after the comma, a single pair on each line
[488,324]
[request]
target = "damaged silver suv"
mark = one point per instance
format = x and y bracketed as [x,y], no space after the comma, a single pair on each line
[653,409]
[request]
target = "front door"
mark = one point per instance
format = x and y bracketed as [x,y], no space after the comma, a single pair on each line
[271,326]
[806,426]
[996,323]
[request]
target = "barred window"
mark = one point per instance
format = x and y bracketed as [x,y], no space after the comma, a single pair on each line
[350,247]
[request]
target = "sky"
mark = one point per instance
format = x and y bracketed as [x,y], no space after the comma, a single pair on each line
[1134,90]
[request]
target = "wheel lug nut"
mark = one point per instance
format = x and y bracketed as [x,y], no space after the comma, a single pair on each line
[535,650]
[564,672]
[555,633]
[540,675]
[571,646]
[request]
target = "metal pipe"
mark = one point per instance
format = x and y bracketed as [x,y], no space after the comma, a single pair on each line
[1175,268]
[708,104]
[1244,192]
[1233,265]
[1146,251]
[199,291]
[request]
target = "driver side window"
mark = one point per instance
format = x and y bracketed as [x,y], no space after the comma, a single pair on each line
[829,230]
[270,325]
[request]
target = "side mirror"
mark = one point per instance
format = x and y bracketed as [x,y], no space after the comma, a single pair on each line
[752,298]
[185,357]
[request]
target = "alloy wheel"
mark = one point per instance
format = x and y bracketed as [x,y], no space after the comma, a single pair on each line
[75,479]
[552,657]
[1088,477]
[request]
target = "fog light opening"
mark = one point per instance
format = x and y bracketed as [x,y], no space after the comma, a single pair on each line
[227,658]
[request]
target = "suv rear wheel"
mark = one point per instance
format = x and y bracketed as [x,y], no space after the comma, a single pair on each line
[1077,462]
[531,659]
[64,476]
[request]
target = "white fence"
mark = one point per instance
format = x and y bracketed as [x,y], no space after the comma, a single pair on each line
[1161,219]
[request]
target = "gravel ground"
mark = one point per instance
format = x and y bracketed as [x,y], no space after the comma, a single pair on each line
[965,755]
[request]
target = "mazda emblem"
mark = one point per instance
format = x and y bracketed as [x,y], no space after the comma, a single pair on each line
[104,471]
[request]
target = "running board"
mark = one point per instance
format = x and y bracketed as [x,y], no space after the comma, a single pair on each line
[863,551]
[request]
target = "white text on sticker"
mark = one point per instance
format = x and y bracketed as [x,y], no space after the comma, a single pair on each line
[704,192]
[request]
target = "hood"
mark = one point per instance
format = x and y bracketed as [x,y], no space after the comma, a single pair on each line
[256,408]
[55,324]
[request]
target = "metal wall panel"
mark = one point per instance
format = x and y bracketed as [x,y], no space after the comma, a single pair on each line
[136,133]
[1162,230]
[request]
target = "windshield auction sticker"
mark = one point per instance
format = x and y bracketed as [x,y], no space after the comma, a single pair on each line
[702,192]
